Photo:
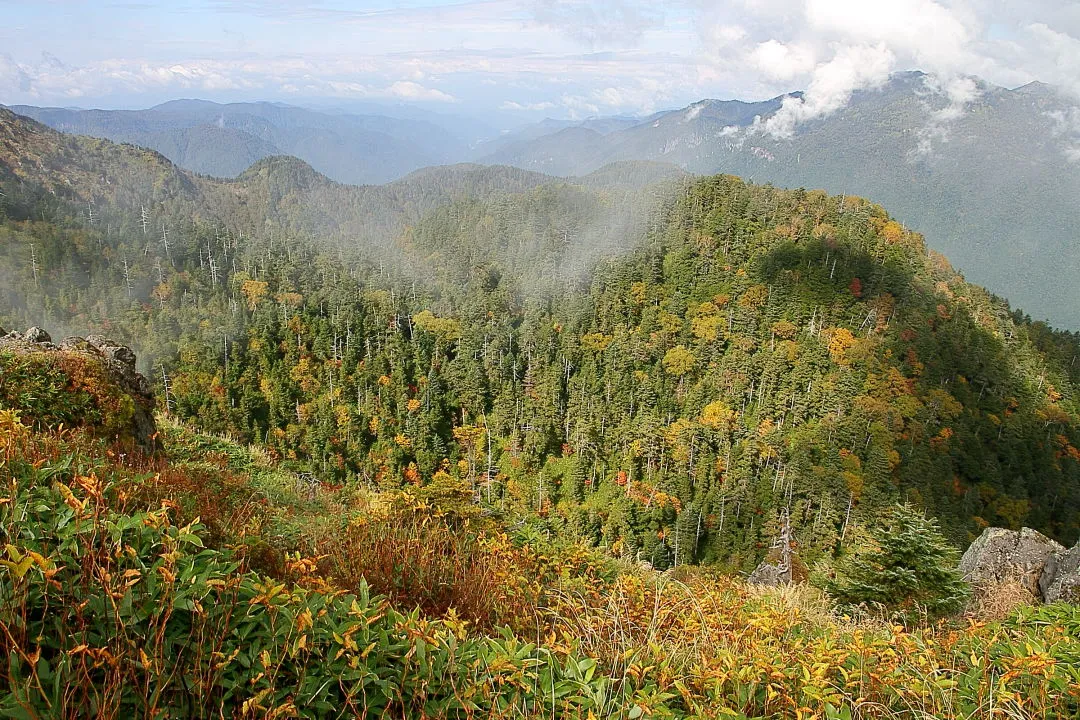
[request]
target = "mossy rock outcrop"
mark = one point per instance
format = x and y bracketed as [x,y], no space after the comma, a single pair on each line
[79,382]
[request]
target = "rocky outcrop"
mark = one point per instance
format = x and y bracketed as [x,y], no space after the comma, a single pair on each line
[1061,577]
[1001,556]
[37,335]
[117,359]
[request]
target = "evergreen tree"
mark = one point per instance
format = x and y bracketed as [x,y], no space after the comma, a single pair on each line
[912,571]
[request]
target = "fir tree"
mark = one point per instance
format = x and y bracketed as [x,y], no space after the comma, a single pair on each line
[912,572]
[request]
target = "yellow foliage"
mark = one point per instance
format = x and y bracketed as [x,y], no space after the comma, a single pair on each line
[292,299]
[718,416]
[784,329]
[469,436]
[670,324]
[445,329]
[947,407]
[302,375]
[12,431]
[840,341]
[754,297]
[596,342]
[706,327]
[705,308]
[162,292]
[678,361]
[255,291]
[854,483]
[893,232]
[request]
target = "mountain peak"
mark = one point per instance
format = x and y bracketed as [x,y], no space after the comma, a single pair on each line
[287,167]
[1036,87]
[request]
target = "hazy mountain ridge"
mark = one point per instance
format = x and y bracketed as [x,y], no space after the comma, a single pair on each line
[123,185]
[223,139]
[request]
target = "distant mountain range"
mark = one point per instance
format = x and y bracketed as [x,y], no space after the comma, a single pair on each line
[224,140]
[995,188]
[44,169]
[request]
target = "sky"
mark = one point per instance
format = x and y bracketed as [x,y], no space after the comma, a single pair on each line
[520,60]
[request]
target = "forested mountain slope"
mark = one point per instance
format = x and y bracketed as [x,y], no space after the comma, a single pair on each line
[206,579]
[659,371]
[993,188]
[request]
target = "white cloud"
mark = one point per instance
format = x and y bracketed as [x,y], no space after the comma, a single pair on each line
[1059,61]
[586,56]
[1067,127]
[642,95]
[49,80]
[408,90]
[932,36]
[531,107]
[836,47]
[778,61]
[598,23]
[831,85]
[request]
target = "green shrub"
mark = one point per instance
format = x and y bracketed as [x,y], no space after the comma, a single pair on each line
[50,389]
[911,572]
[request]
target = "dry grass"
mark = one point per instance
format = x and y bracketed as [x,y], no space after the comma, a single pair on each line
[999,601]
[420,560]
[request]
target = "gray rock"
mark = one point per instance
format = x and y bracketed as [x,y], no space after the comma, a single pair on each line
[77,344]
[999,556]
[1061,577]
[769,574]
[120,360]
[37,335]
[113,351]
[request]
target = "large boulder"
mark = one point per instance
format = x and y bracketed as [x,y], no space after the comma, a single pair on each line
[1061,577]
[1001,556]
[120,362]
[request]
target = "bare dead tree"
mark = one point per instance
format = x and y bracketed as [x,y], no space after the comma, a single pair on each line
[165,241]
[127,277]
[168,389]
[33,263]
